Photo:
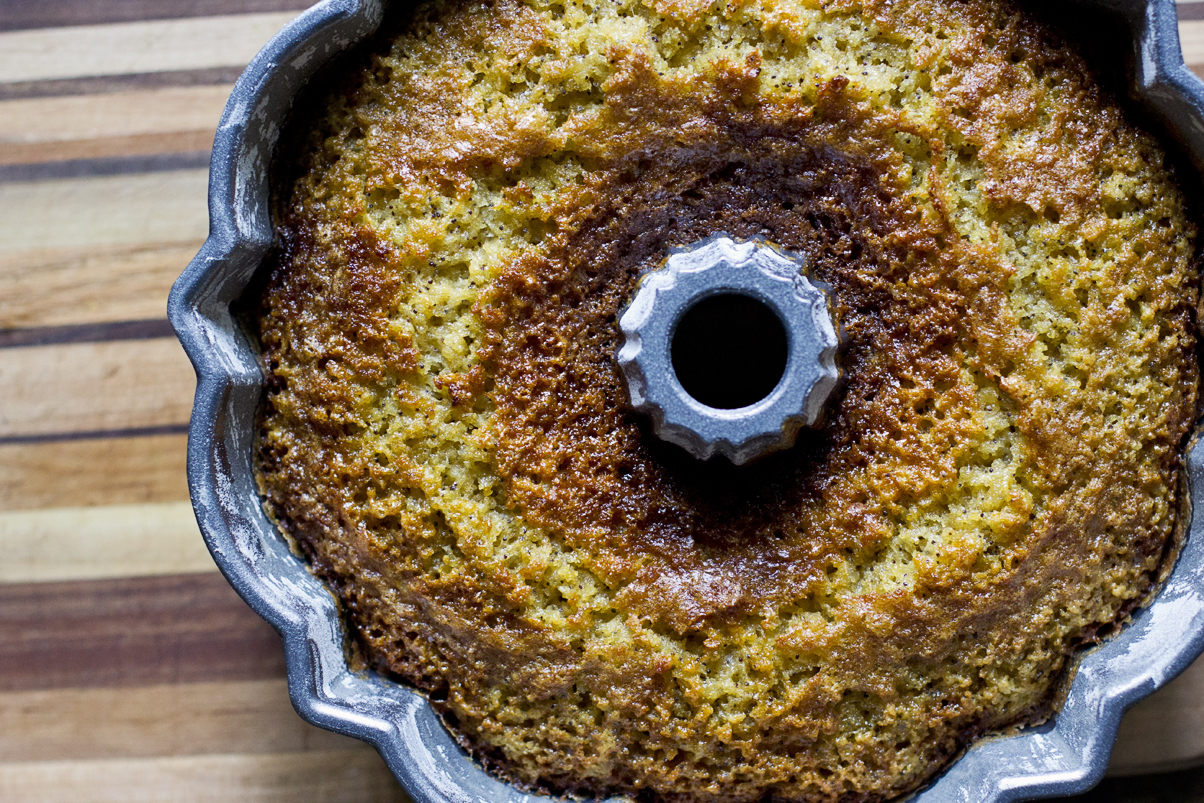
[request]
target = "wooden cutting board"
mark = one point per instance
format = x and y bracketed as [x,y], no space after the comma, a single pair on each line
[129,670]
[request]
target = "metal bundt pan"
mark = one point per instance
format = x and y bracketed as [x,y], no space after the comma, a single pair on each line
[1066,756]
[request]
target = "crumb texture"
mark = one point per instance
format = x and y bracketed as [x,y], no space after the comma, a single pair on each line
[446,434]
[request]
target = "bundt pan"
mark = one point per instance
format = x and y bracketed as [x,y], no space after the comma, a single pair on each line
[1065,756]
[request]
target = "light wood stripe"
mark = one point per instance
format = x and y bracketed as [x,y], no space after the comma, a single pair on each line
[166,120]
[106,471]
[84,213]
[136,47]
[155,111]
[135,631]
[1191,39]
[341,776]
[253,716]
[83,387]
[92,543]
[89,284]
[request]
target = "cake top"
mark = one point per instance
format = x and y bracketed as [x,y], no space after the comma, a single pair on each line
[447,436]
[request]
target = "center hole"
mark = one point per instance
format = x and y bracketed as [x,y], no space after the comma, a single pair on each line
[729,351]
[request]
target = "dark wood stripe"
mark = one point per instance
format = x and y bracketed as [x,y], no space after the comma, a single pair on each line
[103,84]
[85,333]
[1183,786]
[16,15]
[95,434]
[131,632]
[104,166]
[1191,11]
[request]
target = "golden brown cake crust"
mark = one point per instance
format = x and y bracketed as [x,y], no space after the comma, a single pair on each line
[446,434]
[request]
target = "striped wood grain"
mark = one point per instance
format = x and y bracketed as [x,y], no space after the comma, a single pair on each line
[86,333]
[99,542]
[1191,40]
[163,120]
[340,776]
[84,213]
[93,471]
[132,672]
[181,719]
[131,632]
[83,284]
[136,47]
[94,387]
[16,15]
[112,84]
[89,387]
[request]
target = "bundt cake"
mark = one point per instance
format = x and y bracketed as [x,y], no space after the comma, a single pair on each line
[446,436]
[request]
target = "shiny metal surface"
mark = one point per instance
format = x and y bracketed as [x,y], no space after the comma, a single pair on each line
[1063,757]
[716,266]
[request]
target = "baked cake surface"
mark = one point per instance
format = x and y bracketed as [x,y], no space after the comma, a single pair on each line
[447,438]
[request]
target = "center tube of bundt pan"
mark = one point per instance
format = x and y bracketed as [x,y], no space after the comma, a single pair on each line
[729,348]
